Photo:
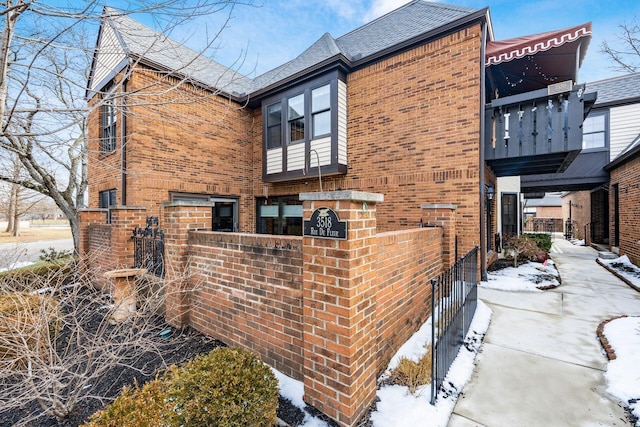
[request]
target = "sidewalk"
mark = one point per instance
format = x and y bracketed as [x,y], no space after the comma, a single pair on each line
[541,363]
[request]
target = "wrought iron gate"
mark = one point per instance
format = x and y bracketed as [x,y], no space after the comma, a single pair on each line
[149,247]
[454,297]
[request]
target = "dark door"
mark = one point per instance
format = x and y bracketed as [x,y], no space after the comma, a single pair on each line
[509,214]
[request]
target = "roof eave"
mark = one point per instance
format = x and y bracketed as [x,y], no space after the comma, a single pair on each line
[234,96]
[337,61]
[626,157]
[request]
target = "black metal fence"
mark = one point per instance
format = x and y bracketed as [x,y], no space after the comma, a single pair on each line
[454,298]
[149,247]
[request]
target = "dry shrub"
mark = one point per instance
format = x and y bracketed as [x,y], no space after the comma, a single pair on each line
[29,322]
[227,387]
[413,374]
[136,406]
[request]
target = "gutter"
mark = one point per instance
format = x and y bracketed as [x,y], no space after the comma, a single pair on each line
[123,141]
[483,228]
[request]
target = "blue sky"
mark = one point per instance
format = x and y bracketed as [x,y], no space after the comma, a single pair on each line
[276,31]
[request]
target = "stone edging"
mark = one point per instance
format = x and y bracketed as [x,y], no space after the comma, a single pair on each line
[618,275]
[611,354]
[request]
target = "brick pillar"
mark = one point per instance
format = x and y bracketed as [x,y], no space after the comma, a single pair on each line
[86,217]
[339,308]
[123,220]
[443,216]
[179,218]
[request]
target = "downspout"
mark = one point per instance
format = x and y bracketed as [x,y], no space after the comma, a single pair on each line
[483,229]
[123,142]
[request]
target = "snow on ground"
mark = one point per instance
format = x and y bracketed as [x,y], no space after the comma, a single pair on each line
[397,407]
[625,268]
[623,373]
[16,265]
[526,278]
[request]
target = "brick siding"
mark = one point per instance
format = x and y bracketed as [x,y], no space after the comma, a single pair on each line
[627,176]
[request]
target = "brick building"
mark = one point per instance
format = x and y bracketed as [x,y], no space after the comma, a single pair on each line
[400,116]
[624,202]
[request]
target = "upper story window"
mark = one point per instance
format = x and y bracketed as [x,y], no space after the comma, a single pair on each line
[594,131]
[295,108]
[108,121]
[321,111]
[274,126]
[305,130]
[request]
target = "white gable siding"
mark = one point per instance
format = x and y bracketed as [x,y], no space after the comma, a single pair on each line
[323,148]
[342,122]
[110,54]
[295,157]
[624,125]
[274,160]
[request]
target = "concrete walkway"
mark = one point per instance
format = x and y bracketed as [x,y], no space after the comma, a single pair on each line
[541,363]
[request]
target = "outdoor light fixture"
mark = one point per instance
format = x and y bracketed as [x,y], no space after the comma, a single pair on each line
[490,192]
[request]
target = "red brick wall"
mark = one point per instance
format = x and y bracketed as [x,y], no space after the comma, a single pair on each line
[549,212]
[247,291]
[406,261]
[413,135]
[188,141]
[627,176]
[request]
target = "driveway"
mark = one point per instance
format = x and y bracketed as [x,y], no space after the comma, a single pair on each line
[12,254]
[541,363]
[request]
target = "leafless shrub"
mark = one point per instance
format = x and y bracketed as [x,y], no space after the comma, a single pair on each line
[413,374]
[58,340]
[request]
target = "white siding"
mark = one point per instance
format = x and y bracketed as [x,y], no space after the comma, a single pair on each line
[295,157]
[323,148]
[342,122]
[624,125]
[110,54]
[274,160]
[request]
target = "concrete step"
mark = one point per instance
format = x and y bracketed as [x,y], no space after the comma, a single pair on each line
[607,255]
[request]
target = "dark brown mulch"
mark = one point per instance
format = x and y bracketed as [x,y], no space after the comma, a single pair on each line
[179,348]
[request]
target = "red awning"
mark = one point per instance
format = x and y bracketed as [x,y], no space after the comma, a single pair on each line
[508,50]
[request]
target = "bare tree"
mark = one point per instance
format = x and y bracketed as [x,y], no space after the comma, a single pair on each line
[625,52]
[62,350]
[45,57]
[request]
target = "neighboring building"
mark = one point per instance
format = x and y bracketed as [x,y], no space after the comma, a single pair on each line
[543,214]
[624,202]
[610,128]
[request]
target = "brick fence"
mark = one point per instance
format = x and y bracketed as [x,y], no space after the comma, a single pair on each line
[328,312]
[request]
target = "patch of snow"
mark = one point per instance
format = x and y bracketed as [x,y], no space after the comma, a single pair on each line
[523,278]
[625,268]
[397,407]
[623,373]
[16,265]
[577,242]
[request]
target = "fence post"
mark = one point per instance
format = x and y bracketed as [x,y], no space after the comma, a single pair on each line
[339,291]
[434,372]
[179,218]
[444,216]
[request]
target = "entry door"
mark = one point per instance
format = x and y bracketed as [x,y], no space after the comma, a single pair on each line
[509,214]
[616,215]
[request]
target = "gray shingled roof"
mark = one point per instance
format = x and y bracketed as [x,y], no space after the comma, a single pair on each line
[407,22]
[395,28]
[615,90]
[145,43]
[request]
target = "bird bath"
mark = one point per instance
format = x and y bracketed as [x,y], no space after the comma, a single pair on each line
[124,291]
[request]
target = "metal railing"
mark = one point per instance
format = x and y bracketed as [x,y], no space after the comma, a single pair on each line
[454,298]
[149,247]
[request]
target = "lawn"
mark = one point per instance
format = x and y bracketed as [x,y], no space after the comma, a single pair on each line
[38,232]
